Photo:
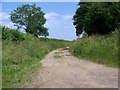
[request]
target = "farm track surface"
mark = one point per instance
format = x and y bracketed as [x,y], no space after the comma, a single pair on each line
[63,70]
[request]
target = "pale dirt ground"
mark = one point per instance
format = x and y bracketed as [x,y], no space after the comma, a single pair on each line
[63,70]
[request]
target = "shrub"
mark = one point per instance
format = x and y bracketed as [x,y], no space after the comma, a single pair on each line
[6,35]
[16,35]
[11,35]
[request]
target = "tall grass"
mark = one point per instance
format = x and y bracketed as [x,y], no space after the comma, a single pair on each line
[20,59]
[99,49]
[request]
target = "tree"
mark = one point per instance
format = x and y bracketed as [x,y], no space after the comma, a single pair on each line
[97,18]
[30,18]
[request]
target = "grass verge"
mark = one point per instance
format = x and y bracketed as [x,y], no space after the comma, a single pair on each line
[99,49]
[21,59]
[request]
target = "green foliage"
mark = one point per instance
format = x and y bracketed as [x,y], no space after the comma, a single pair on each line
[16,35]
[97,18]
[6,35]
[20,61]
[30,18]
[100,49]
[11,35]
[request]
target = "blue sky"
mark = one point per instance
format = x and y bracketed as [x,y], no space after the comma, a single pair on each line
[58,14]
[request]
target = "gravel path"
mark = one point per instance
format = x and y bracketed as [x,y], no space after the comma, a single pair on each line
[63,70]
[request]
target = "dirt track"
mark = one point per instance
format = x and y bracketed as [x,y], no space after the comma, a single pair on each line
[62,70]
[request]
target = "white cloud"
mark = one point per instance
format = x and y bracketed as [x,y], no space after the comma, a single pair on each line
[51,15]
[8,24]
[4,15]
[60,26]
[68,17]
[56,19]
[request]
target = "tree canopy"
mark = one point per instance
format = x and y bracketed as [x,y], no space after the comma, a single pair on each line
[30,18]
[97,18]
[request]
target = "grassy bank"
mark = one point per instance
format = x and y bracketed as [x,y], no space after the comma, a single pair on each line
[21,58]
[99,49]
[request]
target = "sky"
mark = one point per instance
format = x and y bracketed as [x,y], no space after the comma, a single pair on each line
[58,15]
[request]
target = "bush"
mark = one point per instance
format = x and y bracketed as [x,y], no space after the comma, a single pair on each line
[6,35]
[11,35]
[16,35]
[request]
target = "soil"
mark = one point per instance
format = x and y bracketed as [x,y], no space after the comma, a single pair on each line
[63,70]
